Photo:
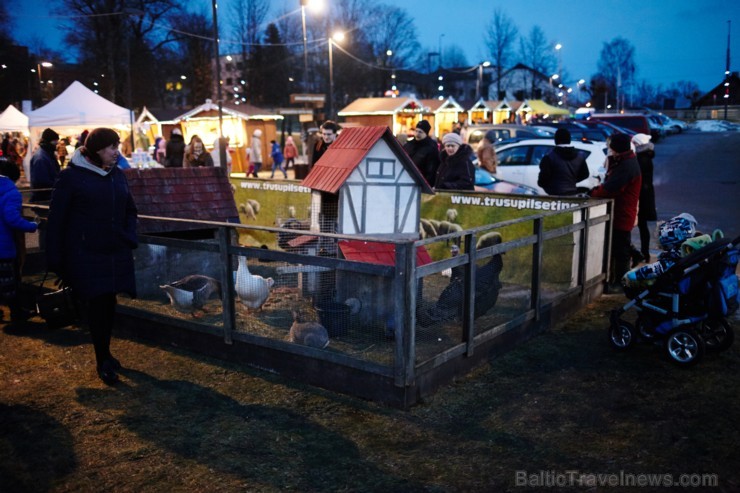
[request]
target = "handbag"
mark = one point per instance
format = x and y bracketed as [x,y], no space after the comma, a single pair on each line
[57,308]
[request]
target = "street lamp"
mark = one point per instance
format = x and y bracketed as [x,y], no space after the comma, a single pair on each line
[38,70]
[479,82]
[337,36]
[314,5]
[552,78]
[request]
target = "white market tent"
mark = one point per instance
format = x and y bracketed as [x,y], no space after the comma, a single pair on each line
[76,109]
[13,120]
[79,107]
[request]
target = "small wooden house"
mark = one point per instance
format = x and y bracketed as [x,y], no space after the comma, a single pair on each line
[365,184]
[369,184]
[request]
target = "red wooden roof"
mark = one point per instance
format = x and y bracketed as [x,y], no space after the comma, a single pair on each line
[378,253]
[348,151]
[187,193]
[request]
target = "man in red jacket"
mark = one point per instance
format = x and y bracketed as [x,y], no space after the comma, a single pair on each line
[622,183]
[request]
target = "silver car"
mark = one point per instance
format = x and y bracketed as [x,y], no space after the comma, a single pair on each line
[504,131]
[520,161]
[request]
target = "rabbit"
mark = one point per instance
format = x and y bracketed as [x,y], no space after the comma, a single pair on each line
[309,333]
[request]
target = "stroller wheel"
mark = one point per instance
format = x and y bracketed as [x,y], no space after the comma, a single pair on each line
[622,335]
[684,346]
[717,334]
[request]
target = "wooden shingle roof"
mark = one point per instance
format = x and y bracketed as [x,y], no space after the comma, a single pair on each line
[348,151]
[185,193]
[378,253]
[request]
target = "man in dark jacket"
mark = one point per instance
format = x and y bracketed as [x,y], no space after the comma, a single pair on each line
[44,166]
[329,131]
[622,183]
[562,167]
[424,151]
[175,150]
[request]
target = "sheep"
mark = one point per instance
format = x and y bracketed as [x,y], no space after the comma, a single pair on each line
[247,210]
[451,215]
[427,229]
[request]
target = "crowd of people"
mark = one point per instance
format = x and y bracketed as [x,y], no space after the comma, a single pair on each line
[446,164]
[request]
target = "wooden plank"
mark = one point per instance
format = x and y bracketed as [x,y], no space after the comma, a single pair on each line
[537,268]
[469,295]
[227,284]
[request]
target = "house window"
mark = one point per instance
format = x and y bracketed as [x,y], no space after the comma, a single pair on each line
[380,168]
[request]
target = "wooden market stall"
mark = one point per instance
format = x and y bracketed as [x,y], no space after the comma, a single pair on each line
[239,123]
[399,114]
[490,111]
[537,108]
[444,114]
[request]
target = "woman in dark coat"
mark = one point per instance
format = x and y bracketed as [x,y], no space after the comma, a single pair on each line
[90,237]
[645,152]
[456,170]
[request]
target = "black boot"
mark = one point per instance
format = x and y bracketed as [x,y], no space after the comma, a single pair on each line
[636,256]
[107,373]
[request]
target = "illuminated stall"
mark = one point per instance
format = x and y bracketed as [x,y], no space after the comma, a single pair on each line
[445,113]
[239,123]
[490,111]
[398,114]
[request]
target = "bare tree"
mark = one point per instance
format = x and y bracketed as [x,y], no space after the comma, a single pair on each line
[117,38]
[616,65]
[500,38]
[536,53]
[395,35]
[454,56]
[197,51]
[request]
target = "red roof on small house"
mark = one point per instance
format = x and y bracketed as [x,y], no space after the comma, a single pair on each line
[186,193]
[348,151]
[378,253]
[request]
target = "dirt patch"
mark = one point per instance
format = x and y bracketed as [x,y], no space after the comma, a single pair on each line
[178,421]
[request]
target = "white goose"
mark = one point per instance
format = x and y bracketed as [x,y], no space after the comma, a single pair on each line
[252,290]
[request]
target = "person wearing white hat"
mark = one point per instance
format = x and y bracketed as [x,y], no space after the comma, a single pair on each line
[456,170]
[645,151]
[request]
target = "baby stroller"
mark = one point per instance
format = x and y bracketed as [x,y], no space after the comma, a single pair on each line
[685,309]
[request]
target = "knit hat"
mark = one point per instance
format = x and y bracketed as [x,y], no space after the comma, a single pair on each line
[562,136]
[452,138]
[620,143]
[424,126]
[100,138]
[640,139]
[49,135]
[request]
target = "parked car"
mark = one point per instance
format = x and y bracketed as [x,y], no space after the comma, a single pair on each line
[608,128]
[676,126]
[485,181]
[519,161]
[633,121]
[657,131]
[503,131]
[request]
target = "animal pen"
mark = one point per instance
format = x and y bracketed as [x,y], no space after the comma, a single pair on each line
[400,324]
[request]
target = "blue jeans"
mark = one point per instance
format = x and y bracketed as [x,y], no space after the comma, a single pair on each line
[279,166]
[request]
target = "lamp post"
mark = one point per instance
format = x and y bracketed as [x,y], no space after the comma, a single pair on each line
[219,93]
[552,78]
[558,47]
[314,4]
[38,70]
[479,81]
[337,36]
[439,61]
